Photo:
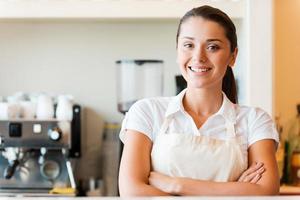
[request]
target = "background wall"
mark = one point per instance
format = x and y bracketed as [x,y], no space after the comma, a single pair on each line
[78,58]
[259,57]
[287,63]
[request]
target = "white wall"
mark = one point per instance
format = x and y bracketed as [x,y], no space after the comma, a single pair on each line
[240,67]
[108,9]
[260,54]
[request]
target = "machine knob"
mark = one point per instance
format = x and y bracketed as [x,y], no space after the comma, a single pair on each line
[55,134]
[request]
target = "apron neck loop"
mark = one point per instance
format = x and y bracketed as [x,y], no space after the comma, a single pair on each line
[165,125]
[230,130]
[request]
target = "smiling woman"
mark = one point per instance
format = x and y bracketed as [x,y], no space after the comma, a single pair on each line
[200,142]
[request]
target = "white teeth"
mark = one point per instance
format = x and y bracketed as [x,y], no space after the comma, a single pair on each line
[199,69]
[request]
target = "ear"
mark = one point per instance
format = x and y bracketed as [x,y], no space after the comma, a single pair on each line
[233,57]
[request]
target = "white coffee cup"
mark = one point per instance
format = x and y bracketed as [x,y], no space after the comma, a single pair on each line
[9,110]
[3,110]
[45,107]
[64,110]
[16,98]
[28,109]
[33,97]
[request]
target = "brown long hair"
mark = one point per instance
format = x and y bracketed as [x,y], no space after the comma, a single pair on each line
[218,16]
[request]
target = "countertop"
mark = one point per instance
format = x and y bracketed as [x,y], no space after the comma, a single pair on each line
[160,198]
[287,193]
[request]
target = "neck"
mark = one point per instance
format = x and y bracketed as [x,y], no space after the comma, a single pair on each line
[202,102]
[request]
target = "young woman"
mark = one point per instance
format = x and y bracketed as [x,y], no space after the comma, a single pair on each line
[200,142]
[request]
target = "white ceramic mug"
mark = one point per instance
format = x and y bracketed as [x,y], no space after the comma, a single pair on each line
[3,110]
[9,110]
[45,107]
[16,98]
[64,110]
[28,109]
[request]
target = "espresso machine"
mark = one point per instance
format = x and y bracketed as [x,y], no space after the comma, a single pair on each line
[36,155]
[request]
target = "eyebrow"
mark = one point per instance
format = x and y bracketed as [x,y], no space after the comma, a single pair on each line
[214,40]
[208,40]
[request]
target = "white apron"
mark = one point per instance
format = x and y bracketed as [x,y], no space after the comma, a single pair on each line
[198,157]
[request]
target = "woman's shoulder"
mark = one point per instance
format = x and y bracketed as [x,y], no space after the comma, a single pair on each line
[253,116]
[152,104]
[250,112]
[145,116]
[260,124]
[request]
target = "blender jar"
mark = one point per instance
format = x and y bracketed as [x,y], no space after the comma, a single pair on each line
[137,79]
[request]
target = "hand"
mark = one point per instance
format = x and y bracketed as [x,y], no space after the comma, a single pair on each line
[162,182]
[253,173]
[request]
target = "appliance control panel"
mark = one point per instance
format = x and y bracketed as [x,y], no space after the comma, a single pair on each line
[35,134]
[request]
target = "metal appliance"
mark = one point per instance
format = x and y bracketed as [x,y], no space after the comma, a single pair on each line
[35,154]
[137,79]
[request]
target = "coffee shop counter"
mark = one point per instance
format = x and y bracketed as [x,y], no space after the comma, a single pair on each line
[286,193]
[159,198]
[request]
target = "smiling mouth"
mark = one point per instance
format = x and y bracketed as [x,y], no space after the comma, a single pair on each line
[201,70]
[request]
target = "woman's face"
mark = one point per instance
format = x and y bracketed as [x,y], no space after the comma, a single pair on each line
[203,53]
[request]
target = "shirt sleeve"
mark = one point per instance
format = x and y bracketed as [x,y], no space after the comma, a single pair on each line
[138,118]
[261,126]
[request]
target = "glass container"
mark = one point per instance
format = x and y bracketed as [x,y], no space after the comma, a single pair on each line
[138,79]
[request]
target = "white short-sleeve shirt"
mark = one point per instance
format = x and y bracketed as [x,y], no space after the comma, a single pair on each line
[147,115]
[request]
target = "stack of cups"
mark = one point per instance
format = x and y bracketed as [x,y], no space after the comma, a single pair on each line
[39,106]
[11,108]
[64,110]
[28,109]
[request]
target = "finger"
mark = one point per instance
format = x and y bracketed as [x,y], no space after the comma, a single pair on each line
[251,176]
[261,170]
[241,178]
[153,173]
[253,168]
[152,178]
[256,178]
[246,172]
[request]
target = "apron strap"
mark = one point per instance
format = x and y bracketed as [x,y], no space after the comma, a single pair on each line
[165,125]
[230,130]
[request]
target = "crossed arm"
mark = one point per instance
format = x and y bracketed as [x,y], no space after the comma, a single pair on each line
[136,178]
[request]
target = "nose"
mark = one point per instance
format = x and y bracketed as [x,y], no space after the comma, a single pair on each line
[199,55]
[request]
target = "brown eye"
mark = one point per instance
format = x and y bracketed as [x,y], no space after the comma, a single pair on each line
[188,45]
[213,48]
